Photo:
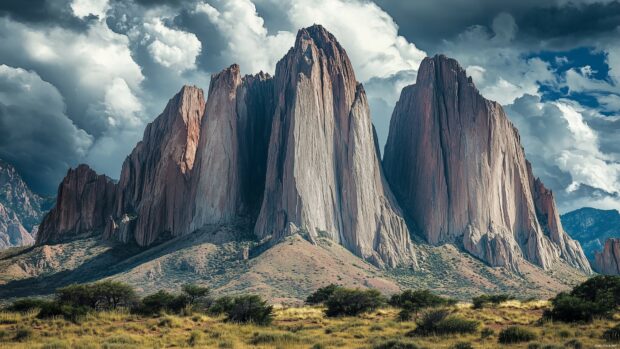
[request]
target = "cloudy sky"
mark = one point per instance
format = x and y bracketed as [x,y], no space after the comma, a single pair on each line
[80,79]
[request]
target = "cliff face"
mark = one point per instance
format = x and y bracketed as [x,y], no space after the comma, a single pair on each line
[151,201]
[21,210]
[455,163]
[607,261]
[591,227]
[84,203]
[323,172]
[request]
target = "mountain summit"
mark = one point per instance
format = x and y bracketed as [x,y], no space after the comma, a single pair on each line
[456,164]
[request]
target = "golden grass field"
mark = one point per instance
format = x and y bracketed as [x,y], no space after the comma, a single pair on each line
[303,327]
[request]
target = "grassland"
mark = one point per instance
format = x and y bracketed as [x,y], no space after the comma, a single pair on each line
[302,327]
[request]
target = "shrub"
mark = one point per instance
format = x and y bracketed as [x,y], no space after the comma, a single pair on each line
[322,294]
[534,346]
[25,305]
[441,322]
[574,343]
[198,296]
[194,338]
[596,297]
[612,334]
[23,334]
[462,345]
[395,344]
[68,312]
[569,308]
[412,301]
[222,305]
[352,302]
[516,334]
[161,302]
[250,309]
[104,295]
[482,300]
[486,332]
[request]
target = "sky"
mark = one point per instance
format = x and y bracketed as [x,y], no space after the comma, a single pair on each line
[80,79]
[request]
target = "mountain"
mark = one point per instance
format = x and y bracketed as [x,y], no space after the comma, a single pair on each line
[456,164]
[323,170]
[592,227]
[274,185]
[607,261]
[21,210]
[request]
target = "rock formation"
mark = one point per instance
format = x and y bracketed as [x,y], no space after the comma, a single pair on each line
[456,165]
[151,201]
[84,203]
[21,210]
[323,170]
[608,261]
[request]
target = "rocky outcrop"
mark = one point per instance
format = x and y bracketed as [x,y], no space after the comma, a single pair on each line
[20,209]
[84,203]
[608,261]
[152,196]
[456,165]
[323,170]
[591,227]
[12,232]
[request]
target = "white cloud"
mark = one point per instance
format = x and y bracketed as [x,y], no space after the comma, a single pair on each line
[171,48]
[249,43]
[84,8]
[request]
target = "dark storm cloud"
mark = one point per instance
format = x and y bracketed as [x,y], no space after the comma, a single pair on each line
[43,12]
[429,23]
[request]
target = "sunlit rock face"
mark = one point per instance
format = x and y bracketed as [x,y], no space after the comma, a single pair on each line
[456,165]
[323,170]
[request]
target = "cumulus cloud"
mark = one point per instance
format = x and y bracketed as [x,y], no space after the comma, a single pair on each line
[169,47]
[35,133]
[85,8]
[565,151]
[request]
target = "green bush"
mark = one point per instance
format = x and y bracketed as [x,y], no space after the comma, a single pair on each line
[23,334]
[573,343]
[322,294]
[162,301]
[597,297]
[486,332]
[352,302]
[441,322]
[516,334]
[250,309]
[412,301]
[25,305]
[104,295]
[485,299]
[462,345]
[67,311]
[222,305]
[612,334]
[569,308]
[198,296]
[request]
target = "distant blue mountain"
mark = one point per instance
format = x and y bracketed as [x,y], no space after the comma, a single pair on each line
[591,227]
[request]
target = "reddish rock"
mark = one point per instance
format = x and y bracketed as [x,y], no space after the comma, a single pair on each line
[608,261]
[457,167]
[84,202]
[151,201]
[323,170]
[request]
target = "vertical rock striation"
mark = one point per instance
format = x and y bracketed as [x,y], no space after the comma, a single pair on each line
[456,165]
[151,202]
[84,203]
[323,171]
[607,261]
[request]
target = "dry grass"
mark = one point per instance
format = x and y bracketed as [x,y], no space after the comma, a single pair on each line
[304,327]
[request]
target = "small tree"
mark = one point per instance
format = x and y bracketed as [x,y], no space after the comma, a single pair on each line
[495,299]
[250,309]
[113,294]
[322,294]
[195,292]
[222,305]
[352,302]
[413,301]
